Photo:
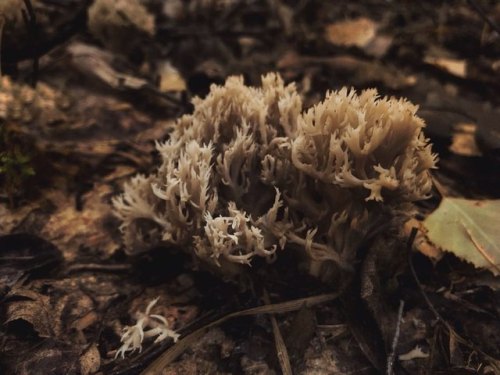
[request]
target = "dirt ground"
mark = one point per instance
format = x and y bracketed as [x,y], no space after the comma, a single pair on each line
[84,96]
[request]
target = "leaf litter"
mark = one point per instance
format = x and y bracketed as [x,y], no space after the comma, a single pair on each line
[66,287]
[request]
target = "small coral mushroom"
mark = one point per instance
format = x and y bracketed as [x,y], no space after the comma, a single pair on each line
[250,172]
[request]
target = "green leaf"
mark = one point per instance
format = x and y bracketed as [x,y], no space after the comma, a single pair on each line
[470,229]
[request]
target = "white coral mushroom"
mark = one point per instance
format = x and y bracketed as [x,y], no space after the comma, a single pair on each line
[133,336]
[250,172]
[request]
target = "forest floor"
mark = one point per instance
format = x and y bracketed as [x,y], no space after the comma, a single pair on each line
[83,100]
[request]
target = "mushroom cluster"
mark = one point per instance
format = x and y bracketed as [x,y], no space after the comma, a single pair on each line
[251,172]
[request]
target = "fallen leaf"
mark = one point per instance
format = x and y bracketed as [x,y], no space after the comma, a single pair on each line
[49,357]
[324,361]
[170,78]
[463,141]
[453,66]
[90,361]
[23,255]
[469,229]
[356,32]
[35,309]
[70,228]
[96,63]
[10,218]
[379,46]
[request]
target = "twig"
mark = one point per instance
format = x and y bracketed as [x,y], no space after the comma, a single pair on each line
[409,245]
[392,356]
[29,17]
[482,13]
[85,267]
[281,350]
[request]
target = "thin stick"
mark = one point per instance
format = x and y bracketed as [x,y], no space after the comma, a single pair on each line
[92,267]
[392,356]
[29,17]
[409,244]
[281,350]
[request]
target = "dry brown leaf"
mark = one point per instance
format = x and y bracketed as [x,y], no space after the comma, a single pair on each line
[464,140]
[34,308]
[170,78]
[49,357]
[11,218]
[356,32]
[322,362]
[96,63]
[379,46]
[90,360]
[71,229]
[453,66]
[85,321]
[204,357]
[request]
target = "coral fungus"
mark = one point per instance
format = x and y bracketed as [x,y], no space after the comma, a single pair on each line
[250,172]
